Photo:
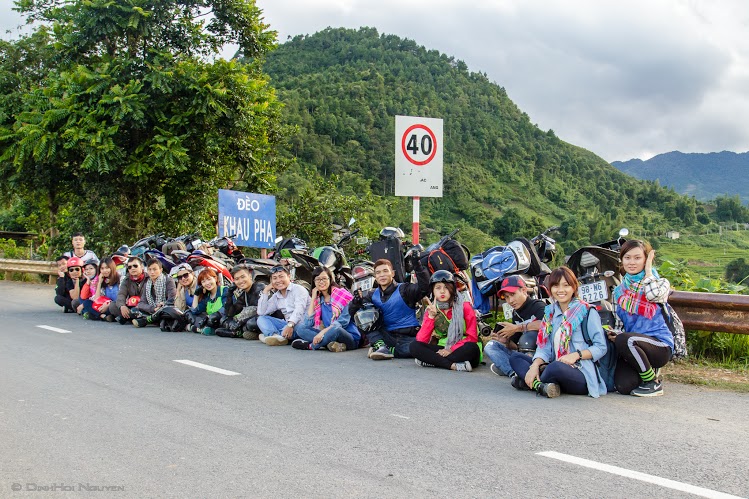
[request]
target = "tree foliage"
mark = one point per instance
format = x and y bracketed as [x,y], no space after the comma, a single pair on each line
[119,110]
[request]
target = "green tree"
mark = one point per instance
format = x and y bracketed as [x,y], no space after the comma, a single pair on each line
[129,117]
[737,270]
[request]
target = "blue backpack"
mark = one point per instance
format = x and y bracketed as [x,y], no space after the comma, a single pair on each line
[607,364]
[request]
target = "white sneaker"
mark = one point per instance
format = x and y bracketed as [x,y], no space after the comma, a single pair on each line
[261,337]
[276,340]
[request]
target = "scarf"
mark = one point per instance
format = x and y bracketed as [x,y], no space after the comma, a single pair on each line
[630,295]
[139,278]
[571,320]
[339,298]
[457,326]
[156,291]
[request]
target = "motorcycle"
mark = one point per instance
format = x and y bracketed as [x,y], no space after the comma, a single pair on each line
[597,269]
[518,257]
[293,252]
[333,257]
[156,241]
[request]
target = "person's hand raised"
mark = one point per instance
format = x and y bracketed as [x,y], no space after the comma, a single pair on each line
[649,263]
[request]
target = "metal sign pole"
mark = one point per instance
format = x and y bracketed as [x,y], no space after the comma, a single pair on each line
[415,228]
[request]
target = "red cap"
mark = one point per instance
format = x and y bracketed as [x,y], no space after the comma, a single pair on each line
[512,284]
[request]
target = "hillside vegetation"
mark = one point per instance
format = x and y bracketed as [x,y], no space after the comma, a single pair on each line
[704,176]
[503,176]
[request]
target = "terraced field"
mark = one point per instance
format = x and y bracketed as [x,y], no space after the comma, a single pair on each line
[707,255]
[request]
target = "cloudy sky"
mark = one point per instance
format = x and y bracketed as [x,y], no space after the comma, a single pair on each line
[623,79]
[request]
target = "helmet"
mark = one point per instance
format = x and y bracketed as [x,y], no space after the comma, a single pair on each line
[74,261]
[442,276]
[392,232]
[123,250]
[179,268]
[326,256]
[527,342]
[367,318]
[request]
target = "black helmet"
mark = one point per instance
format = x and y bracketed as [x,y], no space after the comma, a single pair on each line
[392,232]
[366,318]
[527,342]
[442,276]
[123,250]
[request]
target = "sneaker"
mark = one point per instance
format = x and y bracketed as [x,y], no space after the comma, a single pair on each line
[121,320]
[208,331]
[67,310]
[87,316]
[518,383]
[140,322]
[261,337]
[370,352]
[549,390]
[382,353]
[496,370]
[251,335]
[652,388]
[300,344]
[463,367]
[335,346]
[421,363]
[276,340]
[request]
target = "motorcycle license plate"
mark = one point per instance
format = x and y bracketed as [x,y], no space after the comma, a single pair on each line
[594,291]
[364,284]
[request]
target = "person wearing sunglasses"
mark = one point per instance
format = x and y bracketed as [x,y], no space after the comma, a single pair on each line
[328,323]
[125,309]
[240,311]
[69,286]
[291,299]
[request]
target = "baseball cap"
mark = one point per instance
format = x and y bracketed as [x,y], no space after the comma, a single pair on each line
[512,284]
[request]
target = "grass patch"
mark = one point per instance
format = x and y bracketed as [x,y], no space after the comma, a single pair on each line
[718,375]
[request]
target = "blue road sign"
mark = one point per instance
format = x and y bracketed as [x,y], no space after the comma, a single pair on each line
[252,217]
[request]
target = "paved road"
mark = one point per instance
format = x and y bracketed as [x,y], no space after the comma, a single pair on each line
[106,406]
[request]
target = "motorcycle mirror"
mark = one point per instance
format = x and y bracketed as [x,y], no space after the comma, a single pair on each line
[623,232]
[351,221]
[279,239]
[608,273]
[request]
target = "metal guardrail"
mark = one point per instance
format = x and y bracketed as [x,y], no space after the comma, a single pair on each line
[28,267]
[712,311]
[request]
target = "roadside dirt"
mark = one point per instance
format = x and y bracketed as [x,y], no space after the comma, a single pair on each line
[693,373]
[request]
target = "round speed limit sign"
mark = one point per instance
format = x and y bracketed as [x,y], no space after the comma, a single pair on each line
[418,156]
[419,145]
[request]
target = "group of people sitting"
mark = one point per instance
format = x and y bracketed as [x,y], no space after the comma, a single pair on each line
[570,337]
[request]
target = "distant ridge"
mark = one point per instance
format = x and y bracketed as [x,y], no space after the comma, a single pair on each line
[702,175]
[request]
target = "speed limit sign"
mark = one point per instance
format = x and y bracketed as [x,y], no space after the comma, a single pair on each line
[418,156]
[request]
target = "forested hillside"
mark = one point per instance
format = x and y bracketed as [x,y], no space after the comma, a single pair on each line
[704,176]
[503,175]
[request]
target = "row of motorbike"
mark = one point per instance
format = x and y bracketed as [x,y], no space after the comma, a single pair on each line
[596,267]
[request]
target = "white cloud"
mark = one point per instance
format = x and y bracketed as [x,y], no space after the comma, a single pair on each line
[623,79]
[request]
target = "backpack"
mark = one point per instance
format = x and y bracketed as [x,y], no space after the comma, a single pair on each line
[606,365]
[677,329]
[451,256]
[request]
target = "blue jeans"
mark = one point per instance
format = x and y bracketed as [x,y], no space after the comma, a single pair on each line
[500,356]
[570,379]
[270,325]
[337,333]
[400,342]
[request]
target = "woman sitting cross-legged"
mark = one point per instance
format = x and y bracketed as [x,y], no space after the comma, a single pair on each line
[328,323]
[448,337]
[563,361]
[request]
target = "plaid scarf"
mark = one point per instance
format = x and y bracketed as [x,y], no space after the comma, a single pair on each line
[156,291]
[630,295]
[339,298]
[571,320]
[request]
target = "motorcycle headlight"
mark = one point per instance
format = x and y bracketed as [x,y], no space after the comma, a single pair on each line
[477,272]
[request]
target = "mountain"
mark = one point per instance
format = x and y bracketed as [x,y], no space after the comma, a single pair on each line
[704,176]
[503,176]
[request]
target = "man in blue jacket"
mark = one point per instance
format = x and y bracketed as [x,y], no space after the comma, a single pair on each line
[397,304]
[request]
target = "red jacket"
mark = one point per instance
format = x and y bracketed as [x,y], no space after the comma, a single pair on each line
[471,332]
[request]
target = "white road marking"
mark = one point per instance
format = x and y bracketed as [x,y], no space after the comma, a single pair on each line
[208,368]
[636,475]
[399,416]
[55,329]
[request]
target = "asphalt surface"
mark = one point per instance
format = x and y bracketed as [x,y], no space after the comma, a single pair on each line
[106,406]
